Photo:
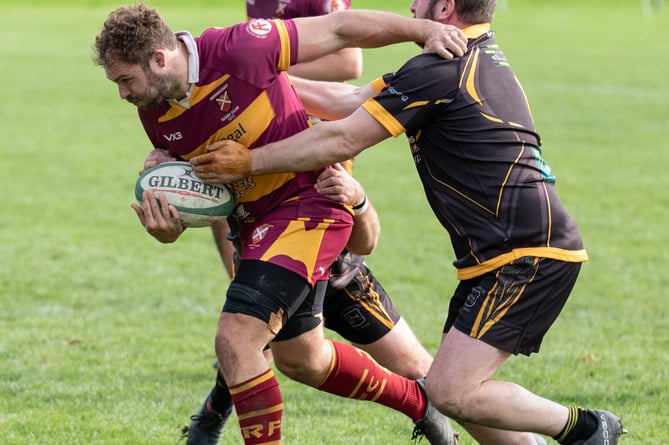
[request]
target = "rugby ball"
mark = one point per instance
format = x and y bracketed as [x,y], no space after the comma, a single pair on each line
[199,204]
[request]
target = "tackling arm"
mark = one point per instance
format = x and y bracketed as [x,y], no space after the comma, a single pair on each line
[323,144]
[318,146]
[318,36]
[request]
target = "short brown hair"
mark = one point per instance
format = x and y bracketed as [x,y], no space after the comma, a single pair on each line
[473,12]
[131,34]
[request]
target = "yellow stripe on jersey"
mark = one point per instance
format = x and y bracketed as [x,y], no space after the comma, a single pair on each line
[420,103]
[197,95]
[284,56]
[471,76]
[378,85]
[246,128]
[491,118]
[383,117]
[262,185]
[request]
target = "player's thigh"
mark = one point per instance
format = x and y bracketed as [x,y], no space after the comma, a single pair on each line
[267,292]
[300,351]
[401,352]
[461,364]
[513,307]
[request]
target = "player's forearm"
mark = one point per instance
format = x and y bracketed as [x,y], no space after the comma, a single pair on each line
[330,100]
[366,232]
[323,144]
[373,29]
[345,64]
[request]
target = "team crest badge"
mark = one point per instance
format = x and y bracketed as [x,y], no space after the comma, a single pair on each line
[224,102]
[259,233]
[260,27]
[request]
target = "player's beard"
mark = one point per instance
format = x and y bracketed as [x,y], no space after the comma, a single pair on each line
[159,88]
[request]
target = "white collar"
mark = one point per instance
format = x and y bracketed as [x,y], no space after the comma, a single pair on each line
[193,65]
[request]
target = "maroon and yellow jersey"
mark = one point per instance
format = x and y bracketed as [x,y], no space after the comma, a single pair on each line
[478,155]
[290,9]
[242,94]
[240,91]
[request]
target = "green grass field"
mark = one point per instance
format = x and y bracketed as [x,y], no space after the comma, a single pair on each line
[106,336]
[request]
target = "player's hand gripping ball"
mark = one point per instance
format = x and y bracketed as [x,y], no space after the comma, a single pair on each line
[199,204]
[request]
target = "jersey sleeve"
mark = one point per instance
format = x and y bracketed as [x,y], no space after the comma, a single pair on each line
[263,46]
[410,97]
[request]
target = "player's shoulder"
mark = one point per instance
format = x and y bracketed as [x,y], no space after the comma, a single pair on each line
[428,61]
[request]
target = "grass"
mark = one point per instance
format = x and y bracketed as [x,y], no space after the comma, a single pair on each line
[106,335]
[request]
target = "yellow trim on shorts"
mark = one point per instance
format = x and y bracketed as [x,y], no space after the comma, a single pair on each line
[568,256]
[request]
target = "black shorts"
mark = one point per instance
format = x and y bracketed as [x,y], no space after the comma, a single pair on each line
[279,297]
[362,311]
[513,307]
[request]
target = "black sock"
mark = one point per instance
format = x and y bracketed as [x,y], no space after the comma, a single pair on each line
[580,425]
[221,400]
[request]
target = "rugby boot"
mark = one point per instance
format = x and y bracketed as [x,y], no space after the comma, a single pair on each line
[206,426]
[609,429]
[434,426]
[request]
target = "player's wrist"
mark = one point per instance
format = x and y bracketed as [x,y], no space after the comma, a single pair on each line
[362,206]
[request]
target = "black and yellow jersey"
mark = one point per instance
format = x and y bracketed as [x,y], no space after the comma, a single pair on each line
[479,157]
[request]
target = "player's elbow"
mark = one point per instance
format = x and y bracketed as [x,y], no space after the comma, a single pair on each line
[365,234]
[362,248]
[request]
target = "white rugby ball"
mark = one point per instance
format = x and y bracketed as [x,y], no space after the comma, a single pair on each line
[199,204]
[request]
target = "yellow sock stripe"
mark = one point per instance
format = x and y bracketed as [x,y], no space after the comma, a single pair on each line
[254,382]
[380,391]
[571,423]
[260,412]
[360,382]
[332,363]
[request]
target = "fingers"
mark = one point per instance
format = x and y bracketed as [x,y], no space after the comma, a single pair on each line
[337,184]
[158,156]
[447,41]
[158,214]
[225,162]
[202,159]
[139,211]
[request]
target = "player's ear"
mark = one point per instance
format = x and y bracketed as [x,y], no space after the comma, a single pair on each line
[445,9]
[158,58]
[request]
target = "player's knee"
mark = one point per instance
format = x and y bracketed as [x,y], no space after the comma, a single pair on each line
[303,361]
[298,369]
[449,398]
